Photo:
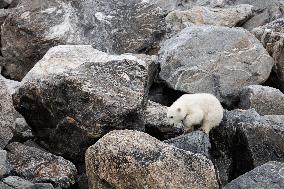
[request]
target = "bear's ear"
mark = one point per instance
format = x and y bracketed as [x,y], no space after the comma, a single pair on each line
[179,109]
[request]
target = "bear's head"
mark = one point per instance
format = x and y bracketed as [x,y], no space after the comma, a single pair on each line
[175,115]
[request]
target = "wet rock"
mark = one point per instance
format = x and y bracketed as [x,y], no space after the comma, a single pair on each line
[39,166]
[132,159]
[156,123]
[76,94]
[198,15]
[4,165]
[245,140]
[195,142]
[265,100]
[6,115]
[269,175]
[271,36]
[196,60]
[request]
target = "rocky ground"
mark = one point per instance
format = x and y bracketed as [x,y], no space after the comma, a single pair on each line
[84,87]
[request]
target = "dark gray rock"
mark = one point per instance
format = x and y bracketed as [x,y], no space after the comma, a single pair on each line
[22,131]
[4,165]
[245,140]
[132,159]
[195,142]
[39,166]
[265,100]
[269,175]
[197,60]
[6,115]
[5,3]
[271,36]
[156,123]
[76,94]
[43,186]
[16,182]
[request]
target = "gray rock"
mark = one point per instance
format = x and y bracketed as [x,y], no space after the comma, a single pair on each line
[4,186]
[4,165]
[275,118]
[199,15]
[16,182]
[245,140]
[124,27]
[156,123]
[6,115]
[197,60]
[269,175]
[132,159]
[76,94]
[25,42]
[265,100]
[43,186]
[22,131]
[264,11]
[195,142]
[271,36]
[5,3]
[11,84]
[39,166]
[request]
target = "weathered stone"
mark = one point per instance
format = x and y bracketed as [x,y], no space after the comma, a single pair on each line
[25,39]
[11,84]
[264,11]
[265,100]
[22,131]
[195,142]
[76,94]
[156,123]
[6,115]
[275,118]
[4,165]
[269,175]
[5,3]
[39,166]
[198,15]
[245,140]
[132,159]
[197,60]
[4,186]
[16,182]
[271,36]
[43,186]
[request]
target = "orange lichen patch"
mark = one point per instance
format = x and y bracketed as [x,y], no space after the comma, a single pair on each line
[70,120]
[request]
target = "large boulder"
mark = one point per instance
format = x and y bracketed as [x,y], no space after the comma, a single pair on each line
[132,159]
[7,115]
[37,165]
[271,36]
[25,39]
[197,60]
[199,15]
[265,100]
[76,94]
[245,140]
[269,175]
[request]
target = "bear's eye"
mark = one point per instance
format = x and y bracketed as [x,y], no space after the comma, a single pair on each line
[171,117]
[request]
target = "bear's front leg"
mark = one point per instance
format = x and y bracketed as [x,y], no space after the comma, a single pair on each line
[194,118]
[188,126]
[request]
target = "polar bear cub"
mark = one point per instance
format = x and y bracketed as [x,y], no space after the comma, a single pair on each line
[196,109]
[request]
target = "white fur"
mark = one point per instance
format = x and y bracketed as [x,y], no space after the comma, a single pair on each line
[194,109]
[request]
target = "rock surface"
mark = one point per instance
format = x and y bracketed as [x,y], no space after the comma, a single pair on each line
[272,37]
[156,123]
[132,159]
[76,94]
[197,60]
[275,118]
[245,140]
[4,165]
[269,175]
[6,115]
[195,142]
[16,182]
[198,15]
[22,131]
[39,166]
[265,100]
